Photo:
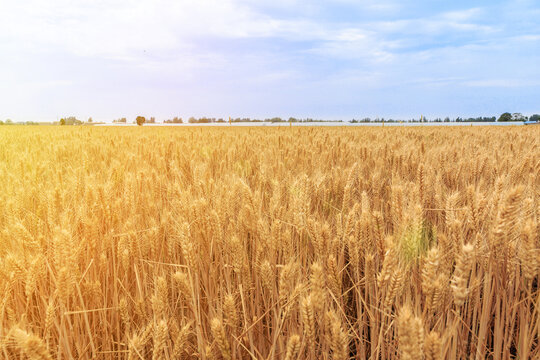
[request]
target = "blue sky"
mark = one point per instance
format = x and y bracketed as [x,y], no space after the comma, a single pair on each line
[337,59]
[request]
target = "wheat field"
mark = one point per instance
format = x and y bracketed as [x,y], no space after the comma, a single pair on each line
[269,243]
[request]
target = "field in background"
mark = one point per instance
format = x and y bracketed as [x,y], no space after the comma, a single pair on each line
[269,243]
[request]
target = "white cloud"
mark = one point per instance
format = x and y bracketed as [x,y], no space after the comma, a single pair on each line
[527,37]
[117,28]
[444,23]
[127,30]
[462,15]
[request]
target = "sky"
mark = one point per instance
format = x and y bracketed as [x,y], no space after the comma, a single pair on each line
[333,59]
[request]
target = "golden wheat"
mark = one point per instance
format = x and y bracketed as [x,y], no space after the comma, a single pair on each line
[269,243]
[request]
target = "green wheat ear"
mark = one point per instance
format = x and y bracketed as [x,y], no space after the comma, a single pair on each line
[416,240]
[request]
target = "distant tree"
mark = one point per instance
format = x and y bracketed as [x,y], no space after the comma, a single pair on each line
[505,117]
[140,120]
[62,121]
[535,117]
[90,120]
[71,120]
[518,117]
[1,122]
[9,122]
[152,120]
[175,120]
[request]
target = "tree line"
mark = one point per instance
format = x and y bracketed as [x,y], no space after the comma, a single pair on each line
[140,120]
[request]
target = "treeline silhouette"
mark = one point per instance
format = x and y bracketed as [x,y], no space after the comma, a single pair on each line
[140,120]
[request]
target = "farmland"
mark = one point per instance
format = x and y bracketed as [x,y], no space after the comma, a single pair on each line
[269,243]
